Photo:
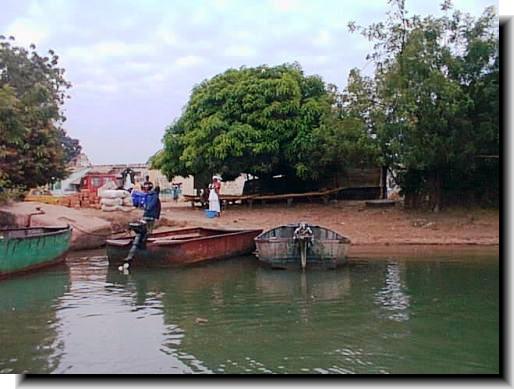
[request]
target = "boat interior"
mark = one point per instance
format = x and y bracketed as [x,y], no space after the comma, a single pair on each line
[166,237]
[287,231]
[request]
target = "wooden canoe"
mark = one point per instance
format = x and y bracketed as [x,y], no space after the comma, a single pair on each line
[25,249]
[184,247]
[278,248]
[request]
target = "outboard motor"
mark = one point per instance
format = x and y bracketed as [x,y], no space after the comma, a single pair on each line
[304,236]
[139,242]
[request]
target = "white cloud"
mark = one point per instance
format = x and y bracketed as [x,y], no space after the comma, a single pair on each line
[27,32]
[108,49]
[200,16]
[166,36]
[155,78]
[98,87]
[189,60]
[244,35]
[323,38]
[239,51]
[221,4]
[285,5]
[140,67]
[313,60]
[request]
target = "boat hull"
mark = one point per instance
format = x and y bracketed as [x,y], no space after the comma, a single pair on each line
[27,249]
[169,249]
[276,247]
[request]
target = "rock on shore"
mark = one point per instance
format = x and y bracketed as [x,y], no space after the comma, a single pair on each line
[88,231]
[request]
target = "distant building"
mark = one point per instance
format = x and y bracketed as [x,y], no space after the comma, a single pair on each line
[70,184]
[78,167]
[79,162]
[85,175]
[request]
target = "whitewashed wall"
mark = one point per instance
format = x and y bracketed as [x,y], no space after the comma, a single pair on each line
[233,187]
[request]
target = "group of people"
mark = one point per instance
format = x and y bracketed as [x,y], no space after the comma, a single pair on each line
[152,207]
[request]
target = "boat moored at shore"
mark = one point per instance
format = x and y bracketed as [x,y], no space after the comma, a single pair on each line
[26,249]
[183,247]
[302,246]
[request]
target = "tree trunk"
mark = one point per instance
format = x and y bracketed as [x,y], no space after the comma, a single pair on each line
[411,200]
[435,188]
[383,182]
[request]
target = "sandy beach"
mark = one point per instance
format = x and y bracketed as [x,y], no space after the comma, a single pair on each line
[364,226]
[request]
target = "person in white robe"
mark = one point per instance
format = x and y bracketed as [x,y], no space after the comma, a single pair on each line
[214,201]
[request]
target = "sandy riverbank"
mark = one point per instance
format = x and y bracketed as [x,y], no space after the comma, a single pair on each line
[364,226]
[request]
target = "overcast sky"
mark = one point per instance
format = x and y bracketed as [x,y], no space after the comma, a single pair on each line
[133,63]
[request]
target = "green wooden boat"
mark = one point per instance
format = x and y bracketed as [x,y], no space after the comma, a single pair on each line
[25,249]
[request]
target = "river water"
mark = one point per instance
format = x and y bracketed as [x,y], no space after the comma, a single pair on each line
[429,314]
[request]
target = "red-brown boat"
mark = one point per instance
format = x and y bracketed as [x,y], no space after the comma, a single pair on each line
[184,247]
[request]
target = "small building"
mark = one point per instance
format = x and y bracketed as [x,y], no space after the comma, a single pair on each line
[70,184]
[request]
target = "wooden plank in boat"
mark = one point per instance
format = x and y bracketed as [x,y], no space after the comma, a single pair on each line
[175,237]
[119,242]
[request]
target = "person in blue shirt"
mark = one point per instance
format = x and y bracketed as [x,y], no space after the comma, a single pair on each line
[152,208]
[151,213]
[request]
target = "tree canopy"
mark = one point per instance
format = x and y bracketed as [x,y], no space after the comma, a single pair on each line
[34,148]
[429,112]
[264,121]
[433,100]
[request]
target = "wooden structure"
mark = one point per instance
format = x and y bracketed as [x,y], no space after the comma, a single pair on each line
[225,200]
[184,247]
[280,247]
[25,249]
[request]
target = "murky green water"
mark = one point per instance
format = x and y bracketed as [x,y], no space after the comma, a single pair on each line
[429,315]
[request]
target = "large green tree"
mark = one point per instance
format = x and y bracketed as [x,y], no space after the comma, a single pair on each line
[436,96]
[345,137]
[34,148]
[264,121]
[253,120]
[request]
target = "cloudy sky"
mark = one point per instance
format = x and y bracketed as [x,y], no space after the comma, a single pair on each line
[133,63]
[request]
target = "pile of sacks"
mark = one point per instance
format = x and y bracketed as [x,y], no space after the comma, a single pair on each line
[115,200]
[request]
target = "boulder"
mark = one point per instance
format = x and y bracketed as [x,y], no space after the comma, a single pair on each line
[88,232]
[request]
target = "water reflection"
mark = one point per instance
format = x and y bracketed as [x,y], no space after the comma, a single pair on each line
[28,321]
[393,297]
[249,311]
[236,316]
[113,328]
[324,285]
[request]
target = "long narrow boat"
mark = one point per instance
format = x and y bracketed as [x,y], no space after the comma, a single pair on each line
[184,247]
[302,246]
[25,249]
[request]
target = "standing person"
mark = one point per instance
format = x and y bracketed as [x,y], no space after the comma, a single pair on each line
[214,200]
[216,182]
[175,192]
[152,208]
[147,185]
[217,188]
[151,214]
[204,196]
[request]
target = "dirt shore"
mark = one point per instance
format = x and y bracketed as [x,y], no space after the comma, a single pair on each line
[364,226]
